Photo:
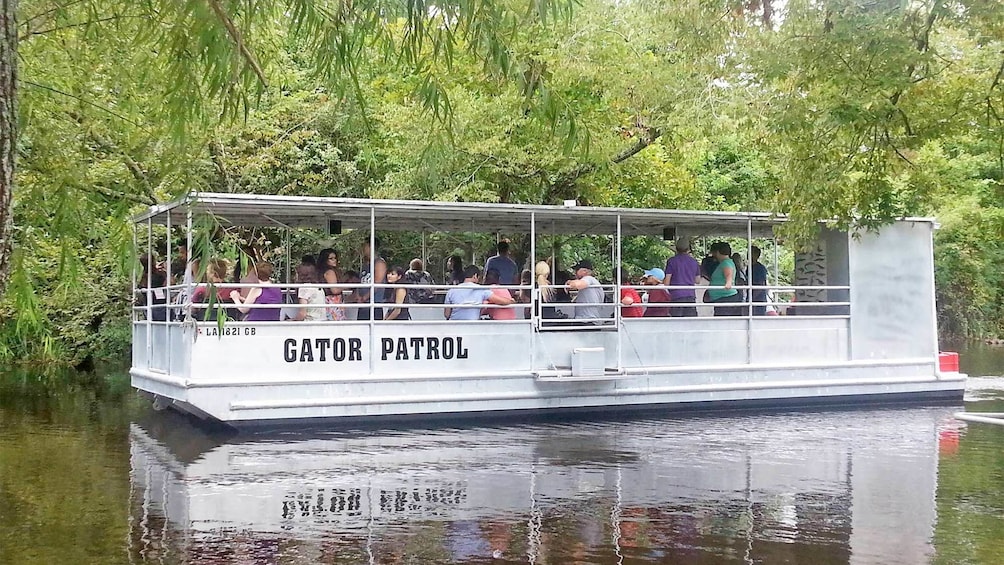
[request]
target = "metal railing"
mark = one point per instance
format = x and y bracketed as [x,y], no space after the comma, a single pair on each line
[177,306]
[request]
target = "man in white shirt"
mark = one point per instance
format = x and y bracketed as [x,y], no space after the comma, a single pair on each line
[590,293]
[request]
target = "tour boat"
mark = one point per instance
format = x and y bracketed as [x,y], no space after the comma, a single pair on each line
[859,325]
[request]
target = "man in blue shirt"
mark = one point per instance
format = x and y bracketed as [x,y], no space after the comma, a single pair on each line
[468,296]
[504,264]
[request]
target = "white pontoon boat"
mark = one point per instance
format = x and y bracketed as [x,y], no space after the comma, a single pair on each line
[863,328]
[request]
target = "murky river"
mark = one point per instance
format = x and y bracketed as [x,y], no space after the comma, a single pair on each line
[90,474]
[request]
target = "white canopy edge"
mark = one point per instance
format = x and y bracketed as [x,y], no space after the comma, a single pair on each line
[255,210]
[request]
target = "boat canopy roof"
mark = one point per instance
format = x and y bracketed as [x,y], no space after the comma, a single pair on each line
[254,210]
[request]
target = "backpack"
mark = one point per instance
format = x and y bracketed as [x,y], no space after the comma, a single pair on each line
[419,295]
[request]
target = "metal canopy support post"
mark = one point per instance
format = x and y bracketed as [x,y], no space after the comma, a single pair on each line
[188,280]
[617,298]
[167,261]
[749,266]
[554,262]
[167,293]
[533,292]
[135,249]
[372,282]
[749,290]
[425,253]
[147,294]
[285,244]
[777,269]
[850,326]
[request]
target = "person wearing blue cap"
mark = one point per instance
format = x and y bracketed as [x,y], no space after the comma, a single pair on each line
[654,277]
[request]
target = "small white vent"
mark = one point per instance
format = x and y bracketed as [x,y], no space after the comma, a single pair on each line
[588,361]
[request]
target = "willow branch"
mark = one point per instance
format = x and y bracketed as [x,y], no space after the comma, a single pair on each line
[235,35]
[29,34]
[112,193]
[50,11]
[81,100]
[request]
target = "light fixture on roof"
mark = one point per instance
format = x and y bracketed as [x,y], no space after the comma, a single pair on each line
[570,203]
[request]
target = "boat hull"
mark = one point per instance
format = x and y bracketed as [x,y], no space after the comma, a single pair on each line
[510,396]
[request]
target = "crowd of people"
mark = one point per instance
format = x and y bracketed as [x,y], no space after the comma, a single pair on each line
[325,292]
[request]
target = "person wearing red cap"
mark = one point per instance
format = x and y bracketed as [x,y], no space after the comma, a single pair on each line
[630,299]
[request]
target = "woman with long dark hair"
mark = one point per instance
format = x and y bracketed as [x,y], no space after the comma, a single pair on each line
[396,295]
[327,270]
[455,270]
[157,279]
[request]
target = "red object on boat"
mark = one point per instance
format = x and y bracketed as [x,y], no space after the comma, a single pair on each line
[948,362]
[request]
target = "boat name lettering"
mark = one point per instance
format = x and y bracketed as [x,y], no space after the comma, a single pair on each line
[323,349]
[405,348]
[308,350]
[227,331]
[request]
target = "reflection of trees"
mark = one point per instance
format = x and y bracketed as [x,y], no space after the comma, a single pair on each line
[970,496]
[64,463]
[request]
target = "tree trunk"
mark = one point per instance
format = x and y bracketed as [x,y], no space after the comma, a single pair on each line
[8,131]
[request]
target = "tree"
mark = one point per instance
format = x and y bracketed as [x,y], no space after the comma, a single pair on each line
[8,130]
[217,55]
[832,111]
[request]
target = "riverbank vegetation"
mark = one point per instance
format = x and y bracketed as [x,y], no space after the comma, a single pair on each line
[839,110]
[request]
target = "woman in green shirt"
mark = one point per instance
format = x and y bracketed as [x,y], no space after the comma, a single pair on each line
[724,276]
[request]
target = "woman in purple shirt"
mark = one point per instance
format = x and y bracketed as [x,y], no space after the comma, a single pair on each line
[267,293]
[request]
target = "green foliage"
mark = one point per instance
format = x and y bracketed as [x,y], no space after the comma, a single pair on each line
[71,316]
[838,111]
[734,176]
[969,247]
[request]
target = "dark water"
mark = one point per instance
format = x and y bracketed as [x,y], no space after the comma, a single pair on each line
[89,474]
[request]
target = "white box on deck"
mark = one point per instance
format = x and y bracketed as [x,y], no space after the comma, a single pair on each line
[588,361]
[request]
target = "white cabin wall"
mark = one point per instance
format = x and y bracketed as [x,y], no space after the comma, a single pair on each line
[892,286]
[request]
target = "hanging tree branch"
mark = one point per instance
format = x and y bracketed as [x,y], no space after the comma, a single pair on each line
[565,180]
[235,35]
[31,33]
[82,101]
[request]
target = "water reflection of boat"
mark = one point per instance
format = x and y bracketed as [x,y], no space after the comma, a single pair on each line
[819,487]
